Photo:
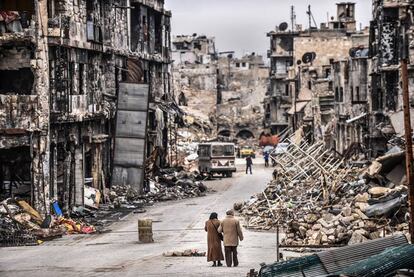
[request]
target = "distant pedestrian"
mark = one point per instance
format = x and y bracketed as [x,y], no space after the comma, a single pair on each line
[232,232]
[249,163]
[214,238]
[266,158]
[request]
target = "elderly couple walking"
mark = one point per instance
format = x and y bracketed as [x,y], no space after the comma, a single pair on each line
[230,232]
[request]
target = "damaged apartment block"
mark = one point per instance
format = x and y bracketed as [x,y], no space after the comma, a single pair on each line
[340,85]
[74,125]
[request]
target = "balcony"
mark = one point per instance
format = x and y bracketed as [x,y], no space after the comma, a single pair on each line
[15,26]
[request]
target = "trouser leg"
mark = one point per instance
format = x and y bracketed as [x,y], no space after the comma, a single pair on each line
[235,260]
[228,254]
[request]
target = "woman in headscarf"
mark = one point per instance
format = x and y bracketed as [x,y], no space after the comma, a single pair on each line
[214,252]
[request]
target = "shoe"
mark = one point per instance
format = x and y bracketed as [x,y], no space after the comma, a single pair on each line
[219,264]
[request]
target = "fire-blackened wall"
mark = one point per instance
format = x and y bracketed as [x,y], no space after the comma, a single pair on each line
[60,69]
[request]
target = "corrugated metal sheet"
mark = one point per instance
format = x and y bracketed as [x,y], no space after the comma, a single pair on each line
[332,261]
[130,135]
[131,124]
[384,264]
[337,259]
[304,266]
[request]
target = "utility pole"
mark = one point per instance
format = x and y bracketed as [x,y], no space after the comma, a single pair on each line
[408,133]
[408,144]
[310,18]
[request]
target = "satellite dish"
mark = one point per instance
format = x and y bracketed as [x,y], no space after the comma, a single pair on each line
[352,52]
[283,26]
[309,57]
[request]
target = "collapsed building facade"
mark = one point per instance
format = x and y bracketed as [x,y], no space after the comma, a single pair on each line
[340,85]
[86,94]
[219,87]
[242,84]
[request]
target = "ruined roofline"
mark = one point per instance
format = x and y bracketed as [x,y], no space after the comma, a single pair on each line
[346,3]
[282,33]
[157,5]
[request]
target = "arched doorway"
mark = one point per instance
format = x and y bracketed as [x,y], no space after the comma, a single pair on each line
[224,133]
[245,134]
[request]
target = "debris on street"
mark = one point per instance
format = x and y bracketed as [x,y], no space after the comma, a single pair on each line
[170,184]
[21,225]
[185,253]
[321,201]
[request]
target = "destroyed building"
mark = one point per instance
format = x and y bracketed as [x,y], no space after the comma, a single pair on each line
[81,82]
[242,82]
[195,84]
[198,49]
[279,95]
[218,87]
[301,64]
[391,20]
[337,84]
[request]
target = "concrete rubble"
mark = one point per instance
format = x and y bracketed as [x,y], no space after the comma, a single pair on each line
[318,200]
[170,184]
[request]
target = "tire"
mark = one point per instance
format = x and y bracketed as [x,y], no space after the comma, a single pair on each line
[229,174]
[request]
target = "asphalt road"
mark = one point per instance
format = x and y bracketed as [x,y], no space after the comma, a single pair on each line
[177,226]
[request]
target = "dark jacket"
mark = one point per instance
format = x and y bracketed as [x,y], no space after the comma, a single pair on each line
[249,161]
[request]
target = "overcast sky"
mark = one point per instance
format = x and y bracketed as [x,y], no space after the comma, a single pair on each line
[241,25]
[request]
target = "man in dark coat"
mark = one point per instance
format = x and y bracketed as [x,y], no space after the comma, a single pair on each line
[249,163]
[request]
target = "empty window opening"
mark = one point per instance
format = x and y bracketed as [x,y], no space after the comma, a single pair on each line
[16,82]
[15,173]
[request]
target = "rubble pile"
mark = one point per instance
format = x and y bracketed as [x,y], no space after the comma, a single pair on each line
[170,184]
[20,224]
[320,200]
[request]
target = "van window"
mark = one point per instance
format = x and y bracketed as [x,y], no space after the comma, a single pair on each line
[204,150]
[222,150]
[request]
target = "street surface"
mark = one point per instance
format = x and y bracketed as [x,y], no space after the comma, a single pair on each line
[177,226]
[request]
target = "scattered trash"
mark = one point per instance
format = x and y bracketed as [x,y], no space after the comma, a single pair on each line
[21,225]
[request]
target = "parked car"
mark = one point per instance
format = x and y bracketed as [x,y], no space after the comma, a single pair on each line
[247,151]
